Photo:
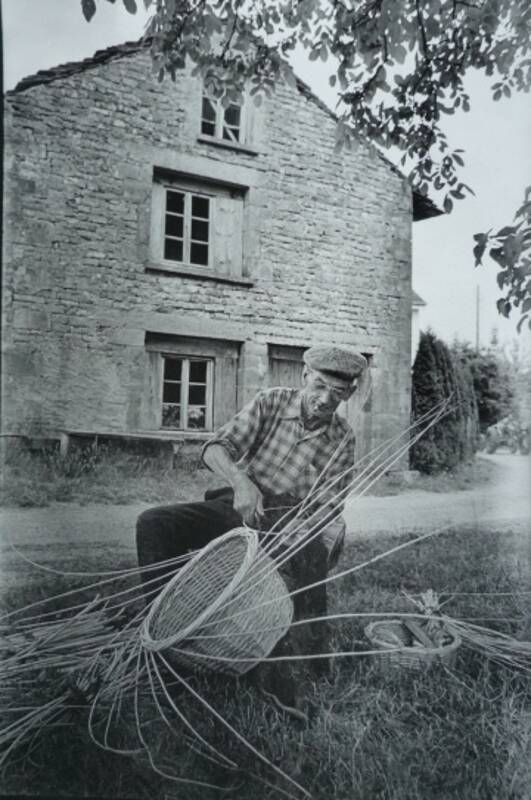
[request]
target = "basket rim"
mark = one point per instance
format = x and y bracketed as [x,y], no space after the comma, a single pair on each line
[441,650]
[252,546]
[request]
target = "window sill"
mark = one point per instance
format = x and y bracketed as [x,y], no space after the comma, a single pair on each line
[224,143]
[196,272]
[181,436]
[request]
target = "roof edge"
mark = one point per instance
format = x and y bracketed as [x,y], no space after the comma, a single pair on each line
[61,71]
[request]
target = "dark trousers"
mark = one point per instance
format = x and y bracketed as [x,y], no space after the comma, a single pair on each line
[165,532]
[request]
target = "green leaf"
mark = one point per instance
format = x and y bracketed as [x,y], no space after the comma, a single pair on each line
[399,53]
[448,204]
[526,305]
[500,304]
[501,278]
[506,231]
[478,254]
[130,5]
[88,7]
[496,253]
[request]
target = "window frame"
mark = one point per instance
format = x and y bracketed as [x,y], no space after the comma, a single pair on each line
[161,187]
[186,359]
[219,121]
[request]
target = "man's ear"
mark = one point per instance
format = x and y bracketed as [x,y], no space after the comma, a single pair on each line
[350,391]
[304,376]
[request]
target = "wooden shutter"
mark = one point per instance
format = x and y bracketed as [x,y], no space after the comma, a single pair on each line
[227,234]
[225,388]
[285,365]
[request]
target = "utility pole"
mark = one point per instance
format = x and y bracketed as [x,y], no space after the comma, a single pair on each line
[477,318]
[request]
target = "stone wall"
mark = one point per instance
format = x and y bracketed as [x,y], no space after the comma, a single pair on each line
[327,248]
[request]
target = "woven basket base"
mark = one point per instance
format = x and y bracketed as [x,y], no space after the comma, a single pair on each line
[412,658]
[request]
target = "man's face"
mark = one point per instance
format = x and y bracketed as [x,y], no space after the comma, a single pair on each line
[323,394]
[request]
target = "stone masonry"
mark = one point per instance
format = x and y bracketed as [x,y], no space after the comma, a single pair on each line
[327,247]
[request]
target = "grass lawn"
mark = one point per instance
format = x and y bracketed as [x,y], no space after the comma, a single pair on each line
[33,479]
[374,733]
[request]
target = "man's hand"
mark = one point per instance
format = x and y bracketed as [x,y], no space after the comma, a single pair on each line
[248,500]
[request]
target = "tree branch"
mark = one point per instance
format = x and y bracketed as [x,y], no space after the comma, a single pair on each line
[422,30]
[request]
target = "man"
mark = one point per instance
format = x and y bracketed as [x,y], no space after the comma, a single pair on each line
[286,447]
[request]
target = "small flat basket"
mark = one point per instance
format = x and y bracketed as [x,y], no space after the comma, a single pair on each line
[224,611]
[392,637]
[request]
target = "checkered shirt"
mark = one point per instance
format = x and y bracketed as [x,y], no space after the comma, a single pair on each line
[268,439]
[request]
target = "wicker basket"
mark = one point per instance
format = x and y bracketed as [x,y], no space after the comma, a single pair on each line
[213,609]
[412,657]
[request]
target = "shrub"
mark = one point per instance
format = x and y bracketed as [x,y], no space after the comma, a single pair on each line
[437,378]
[493,382]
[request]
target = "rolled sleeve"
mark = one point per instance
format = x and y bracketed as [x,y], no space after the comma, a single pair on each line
[239,434]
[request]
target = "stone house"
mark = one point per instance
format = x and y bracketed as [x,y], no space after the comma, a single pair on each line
[164,258]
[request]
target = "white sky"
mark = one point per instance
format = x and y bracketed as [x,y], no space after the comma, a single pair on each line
[38,34]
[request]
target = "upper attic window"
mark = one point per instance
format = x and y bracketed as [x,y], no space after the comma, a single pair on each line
[220,122]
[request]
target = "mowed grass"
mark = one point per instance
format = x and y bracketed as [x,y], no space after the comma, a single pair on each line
[373,731]
[120,476]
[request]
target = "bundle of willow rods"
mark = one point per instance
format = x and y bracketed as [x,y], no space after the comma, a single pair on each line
[103,662]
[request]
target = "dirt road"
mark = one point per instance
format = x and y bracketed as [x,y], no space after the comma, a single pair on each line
[69,532]
[505,502]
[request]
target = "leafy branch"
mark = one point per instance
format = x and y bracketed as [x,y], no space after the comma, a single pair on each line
[399,67]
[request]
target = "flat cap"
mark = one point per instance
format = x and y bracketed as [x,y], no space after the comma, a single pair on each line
[335,361]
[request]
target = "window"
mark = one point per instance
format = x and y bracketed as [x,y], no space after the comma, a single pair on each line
[196,226]
[187,394]
[193,382]
[187,228]
[220,122]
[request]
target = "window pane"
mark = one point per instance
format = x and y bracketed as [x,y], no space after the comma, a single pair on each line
[209,110]
[171,416]
[197,395]
[198,371]
[172,369]
[199,254]
[174,226]
[172,393]
[196,418]
[208,128]
[200,230]
[173,250]
[231,134]
[200,206]
[232,116]
[175,202]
